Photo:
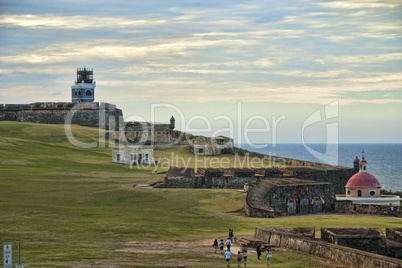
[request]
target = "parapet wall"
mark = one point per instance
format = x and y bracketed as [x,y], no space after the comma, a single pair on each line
[104,115]
[367,239]
[348,207]
[343,255]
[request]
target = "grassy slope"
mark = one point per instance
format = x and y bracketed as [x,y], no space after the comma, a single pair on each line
[65,204]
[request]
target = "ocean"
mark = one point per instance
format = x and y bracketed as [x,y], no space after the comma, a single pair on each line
[384,161]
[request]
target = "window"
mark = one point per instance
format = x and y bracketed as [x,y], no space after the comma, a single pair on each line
[364,168]
[79,93]
[372,193]
[75,93]
[348,192]
[359,193]
[118,157]
[88,93]
[200,151]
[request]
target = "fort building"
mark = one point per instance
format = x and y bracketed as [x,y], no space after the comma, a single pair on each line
[133,155]
[364,188]
[290,196]
[82,110]
[134,132]
[211,145]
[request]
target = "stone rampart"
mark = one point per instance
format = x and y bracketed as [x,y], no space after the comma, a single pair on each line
[104,115]
[343,255]
[179,177]
[338,176]
[348,207]
[288,196]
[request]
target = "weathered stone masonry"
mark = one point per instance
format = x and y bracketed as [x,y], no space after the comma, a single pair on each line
[93,114]
[288,196]
[344,255]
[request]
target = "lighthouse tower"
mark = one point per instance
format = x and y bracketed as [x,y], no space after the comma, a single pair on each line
[83,89]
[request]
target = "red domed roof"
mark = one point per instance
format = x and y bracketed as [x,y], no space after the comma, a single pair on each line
[363,160]
[364,180]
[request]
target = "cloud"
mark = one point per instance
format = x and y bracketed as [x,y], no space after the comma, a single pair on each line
[378,79]
[73,22]
[357,4]
[374,58]
[118,50]
[314,74]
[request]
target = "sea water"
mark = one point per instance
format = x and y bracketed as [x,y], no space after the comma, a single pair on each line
[384,161]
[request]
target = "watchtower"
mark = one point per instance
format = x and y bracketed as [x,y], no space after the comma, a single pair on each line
[356,164]
[83,89]
[172,123]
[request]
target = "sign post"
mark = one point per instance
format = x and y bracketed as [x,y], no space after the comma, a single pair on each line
[19,265]
[7,255]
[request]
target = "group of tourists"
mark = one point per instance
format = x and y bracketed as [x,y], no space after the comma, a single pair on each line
[240,256]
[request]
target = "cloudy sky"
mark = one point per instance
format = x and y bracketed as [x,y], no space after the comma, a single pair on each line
[244,60]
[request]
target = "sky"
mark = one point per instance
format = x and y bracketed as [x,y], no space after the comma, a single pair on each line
[294,71]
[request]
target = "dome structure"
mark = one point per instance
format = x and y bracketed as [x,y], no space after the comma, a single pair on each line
[363,188]
[363,184]
[363,180]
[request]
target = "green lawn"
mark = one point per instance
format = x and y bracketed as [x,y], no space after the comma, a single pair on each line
[66,205]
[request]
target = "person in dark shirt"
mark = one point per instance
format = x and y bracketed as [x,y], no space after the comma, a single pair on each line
[258,250]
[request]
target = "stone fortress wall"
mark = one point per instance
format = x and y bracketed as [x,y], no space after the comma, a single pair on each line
[305,243]
[92,114]
[348,207]
[290,196]
[235,178]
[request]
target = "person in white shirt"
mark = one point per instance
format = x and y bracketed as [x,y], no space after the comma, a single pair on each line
[228,256]
[228,244]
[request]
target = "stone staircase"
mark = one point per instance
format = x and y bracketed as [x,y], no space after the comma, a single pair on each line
[255,201]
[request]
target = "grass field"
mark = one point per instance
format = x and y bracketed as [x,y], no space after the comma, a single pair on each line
[73,207]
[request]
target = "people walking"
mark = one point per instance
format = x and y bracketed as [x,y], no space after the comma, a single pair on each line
[228,244]
[258,250]
[239,257]
[245,255]
[269,256]
[215,245]
[221,245]
[228,256]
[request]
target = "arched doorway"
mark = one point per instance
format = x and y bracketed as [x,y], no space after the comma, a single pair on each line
[304,206]
[291,208]
[317,206]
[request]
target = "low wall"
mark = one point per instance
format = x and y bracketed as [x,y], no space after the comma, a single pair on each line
[343,255]
[394,234]
[366,239]
[350,208]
